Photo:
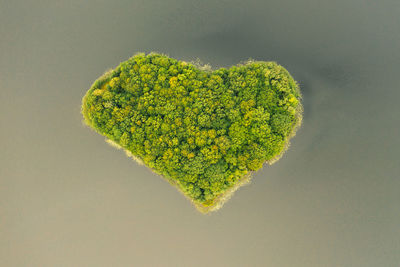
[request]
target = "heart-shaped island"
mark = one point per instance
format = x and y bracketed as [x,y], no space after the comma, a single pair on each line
[205,131]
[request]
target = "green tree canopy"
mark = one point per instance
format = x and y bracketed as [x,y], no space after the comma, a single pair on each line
[203,130]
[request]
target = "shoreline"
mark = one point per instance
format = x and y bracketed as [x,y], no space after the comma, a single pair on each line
[222,198]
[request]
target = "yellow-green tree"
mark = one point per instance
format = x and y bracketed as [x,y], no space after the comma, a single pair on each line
[202,129]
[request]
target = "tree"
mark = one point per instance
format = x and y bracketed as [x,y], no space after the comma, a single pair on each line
[202,129]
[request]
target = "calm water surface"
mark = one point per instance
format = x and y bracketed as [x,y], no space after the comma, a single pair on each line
[69,199]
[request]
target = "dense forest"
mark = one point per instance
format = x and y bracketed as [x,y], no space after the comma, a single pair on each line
[201,129]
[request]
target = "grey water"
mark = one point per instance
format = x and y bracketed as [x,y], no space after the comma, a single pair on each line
[67,198]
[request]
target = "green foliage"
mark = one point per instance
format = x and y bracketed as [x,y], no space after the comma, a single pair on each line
[202,129]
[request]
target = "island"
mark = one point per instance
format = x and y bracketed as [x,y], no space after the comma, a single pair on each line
[204,131]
